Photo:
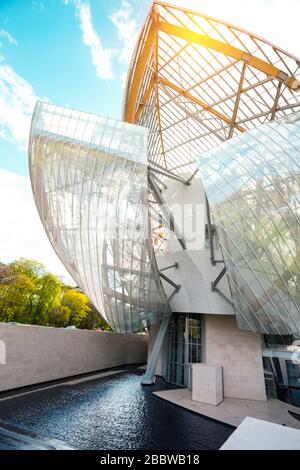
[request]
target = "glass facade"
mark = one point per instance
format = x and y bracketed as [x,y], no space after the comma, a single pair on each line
[184,346]
[198,86]
[253,187]
[89,179]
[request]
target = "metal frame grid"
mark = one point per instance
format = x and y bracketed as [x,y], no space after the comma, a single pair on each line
[195,82]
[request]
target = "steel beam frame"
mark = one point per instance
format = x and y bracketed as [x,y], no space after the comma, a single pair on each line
[149,376]
[175,265]
[210,234]
[199,102]
[166,213]
[230,51]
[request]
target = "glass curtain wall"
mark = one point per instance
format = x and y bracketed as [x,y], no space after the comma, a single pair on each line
[253,185]
[184,346]
[89,179]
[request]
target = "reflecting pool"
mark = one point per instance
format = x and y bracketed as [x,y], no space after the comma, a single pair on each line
[113,412]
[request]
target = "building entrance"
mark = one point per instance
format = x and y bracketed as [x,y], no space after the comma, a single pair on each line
[184,347]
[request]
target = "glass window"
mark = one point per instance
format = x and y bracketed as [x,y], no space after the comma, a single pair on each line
[293,372]
[184,346]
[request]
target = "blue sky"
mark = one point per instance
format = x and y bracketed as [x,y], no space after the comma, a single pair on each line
[75,53]
[49,52]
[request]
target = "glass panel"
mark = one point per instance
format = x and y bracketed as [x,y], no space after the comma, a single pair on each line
[253,187]
[293,372]
[89,178]
[184,345]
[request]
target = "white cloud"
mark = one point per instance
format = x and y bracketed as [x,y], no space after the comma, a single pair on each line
[101,57]
[6,35]
[17,100]
[22,233]
[127,28]
[273,20]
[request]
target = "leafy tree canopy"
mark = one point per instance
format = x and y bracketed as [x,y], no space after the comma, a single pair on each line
[30,294]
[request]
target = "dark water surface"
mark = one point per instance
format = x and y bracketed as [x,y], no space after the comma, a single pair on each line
[113,412]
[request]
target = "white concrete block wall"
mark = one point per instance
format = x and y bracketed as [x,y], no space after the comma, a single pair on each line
[207,384]
[37,354]
[239,353]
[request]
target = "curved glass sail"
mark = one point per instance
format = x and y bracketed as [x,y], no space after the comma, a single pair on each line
[89,179]
[253,187]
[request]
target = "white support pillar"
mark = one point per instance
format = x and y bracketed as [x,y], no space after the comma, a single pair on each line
[149,376]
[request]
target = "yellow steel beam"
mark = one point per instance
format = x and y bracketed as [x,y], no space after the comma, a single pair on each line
[158,106]
[201,103]
[230,51]
[144,100]
[138,75]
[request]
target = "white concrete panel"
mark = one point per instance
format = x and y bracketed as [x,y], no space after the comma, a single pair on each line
[195,272]
[255,434]
[207,384]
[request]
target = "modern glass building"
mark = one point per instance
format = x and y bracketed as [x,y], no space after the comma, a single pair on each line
[184,218]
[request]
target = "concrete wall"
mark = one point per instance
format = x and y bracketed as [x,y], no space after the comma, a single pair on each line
[239,353]
[37,354]
[195,272]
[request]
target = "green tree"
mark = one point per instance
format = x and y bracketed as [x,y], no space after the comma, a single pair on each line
[30,267]
[30,294]
[78,305]
[59,316]
[93,320]
[15,296]
[43,300]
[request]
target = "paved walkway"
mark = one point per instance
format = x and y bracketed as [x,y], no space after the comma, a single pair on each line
[233,411]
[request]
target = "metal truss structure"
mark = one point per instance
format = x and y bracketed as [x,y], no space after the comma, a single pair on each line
[195,82]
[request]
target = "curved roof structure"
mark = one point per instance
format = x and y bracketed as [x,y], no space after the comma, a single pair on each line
[195,81]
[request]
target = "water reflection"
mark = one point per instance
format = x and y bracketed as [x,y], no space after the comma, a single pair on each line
[113,413]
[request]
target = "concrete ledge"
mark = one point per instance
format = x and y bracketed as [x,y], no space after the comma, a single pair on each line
[255,434]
